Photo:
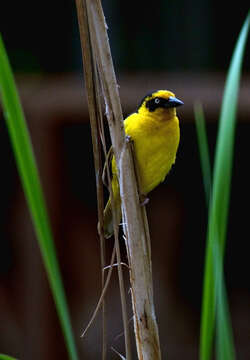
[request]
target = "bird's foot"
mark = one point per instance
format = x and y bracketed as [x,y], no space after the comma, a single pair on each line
[143,200]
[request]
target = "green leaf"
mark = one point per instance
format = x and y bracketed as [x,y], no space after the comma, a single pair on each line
[6,357]
[215,287]
[224,336]
[28,172]
[214,303]
[203,149]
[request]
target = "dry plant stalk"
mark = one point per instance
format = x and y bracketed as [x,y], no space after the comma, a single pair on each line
[99,67]
[95,113]
[93,94]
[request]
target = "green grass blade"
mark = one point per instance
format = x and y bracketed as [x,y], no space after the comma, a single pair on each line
[224,336]
[6,357]
[203,149]
[28,172]
[208,299]
[225,141]
[218,213]
[224,343]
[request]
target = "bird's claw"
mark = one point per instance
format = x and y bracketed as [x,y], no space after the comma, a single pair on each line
[128,139]
[143,200]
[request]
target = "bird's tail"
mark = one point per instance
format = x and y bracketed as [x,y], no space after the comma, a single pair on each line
[108,216]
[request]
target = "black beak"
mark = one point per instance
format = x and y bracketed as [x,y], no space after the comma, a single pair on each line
[173,102]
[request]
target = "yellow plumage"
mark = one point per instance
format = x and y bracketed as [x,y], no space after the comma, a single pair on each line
[154,130]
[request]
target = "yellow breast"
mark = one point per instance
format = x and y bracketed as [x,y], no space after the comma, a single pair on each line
[156,142]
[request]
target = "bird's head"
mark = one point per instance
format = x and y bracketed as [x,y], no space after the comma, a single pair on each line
[162,103]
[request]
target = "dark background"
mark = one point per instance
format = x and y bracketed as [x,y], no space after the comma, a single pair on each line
[184,46]
[167,35]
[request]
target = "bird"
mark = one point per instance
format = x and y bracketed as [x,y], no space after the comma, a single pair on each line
[155,133]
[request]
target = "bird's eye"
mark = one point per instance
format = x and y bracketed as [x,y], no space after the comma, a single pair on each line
[157,101]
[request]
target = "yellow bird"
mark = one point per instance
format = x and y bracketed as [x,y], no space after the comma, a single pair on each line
[154,130]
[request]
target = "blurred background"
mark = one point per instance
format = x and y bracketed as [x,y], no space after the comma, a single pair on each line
[184,46]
